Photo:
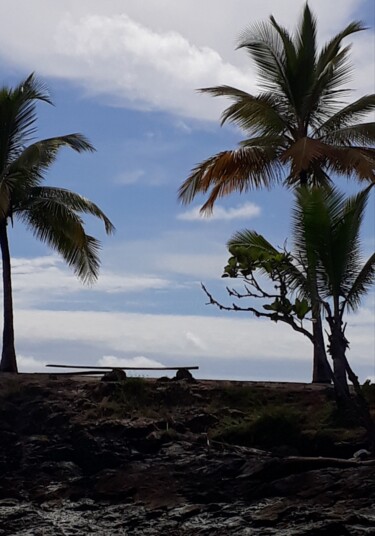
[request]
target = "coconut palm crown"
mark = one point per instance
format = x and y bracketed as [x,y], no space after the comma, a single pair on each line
[52,214]
[298,130]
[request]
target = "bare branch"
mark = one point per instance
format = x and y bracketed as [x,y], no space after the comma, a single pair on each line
[275,316]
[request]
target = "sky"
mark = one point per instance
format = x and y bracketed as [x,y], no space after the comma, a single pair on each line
[125,74]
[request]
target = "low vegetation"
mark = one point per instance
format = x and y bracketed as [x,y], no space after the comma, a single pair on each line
[297,420]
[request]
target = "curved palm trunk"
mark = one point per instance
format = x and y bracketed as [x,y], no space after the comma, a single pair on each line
[357,404]
[337,348]
[321,368]
[8,358]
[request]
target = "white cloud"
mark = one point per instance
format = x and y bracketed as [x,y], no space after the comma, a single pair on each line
[197,341]
[182,337]
[129,177]
[222,346]
[139,361]
[154,55]
[244,211]
[41,279]
[30,364]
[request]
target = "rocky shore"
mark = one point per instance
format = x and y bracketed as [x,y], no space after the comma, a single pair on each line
[78,458]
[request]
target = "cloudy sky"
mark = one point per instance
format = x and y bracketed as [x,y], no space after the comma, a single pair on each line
[125,73]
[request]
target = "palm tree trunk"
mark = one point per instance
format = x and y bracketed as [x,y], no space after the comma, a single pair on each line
[362,407]
[321,368]
[8,357]
[337,349]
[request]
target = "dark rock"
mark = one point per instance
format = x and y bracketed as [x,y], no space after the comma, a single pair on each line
[153,472]
[201,423]
[163,379]
[184,374]
[362,454]
[115,375]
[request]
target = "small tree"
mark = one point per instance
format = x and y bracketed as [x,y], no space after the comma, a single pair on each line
[52,214]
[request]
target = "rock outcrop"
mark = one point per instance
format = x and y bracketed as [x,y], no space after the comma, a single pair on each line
[67,468]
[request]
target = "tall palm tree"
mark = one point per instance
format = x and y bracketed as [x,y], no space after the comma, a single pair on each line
[297,131]
[52,214]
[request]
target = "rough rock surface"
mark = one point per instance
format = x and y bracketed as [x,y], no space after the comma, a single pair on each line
[67,469]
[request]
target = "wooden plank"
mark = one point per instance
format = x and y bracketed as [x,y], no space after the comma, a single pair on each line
[92,367]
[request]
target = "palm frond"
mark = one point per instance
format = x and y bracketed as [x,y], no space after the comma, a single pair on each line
[40,155]
[347,115]
[361,286]
[313,216]
[53,199]
[306,38]
[229,171]
[324,96]
[307,153]
[274,142]
[363,134]
[332,48]
[344,252]
[62,229]
[326,232]
[18,116]
[357,162]
[262,113]
[303,154]
[27,170]
[288,45]
[305,63]
[265,47]
[251,239]
[259,115]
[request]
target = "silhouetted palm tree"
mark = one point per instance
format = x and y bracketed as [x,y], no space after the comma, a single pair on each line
[51,214]
[326,232]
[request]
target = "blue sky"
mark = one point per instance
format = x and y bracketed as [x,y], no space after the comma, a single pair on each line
[124,73]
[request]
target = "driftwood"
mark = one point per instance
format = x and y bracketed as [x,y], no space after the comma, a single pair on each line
[95,368]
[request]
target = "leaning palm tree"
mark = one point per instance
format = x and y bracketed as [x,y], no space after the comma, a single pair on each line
[297,131]
[52,214]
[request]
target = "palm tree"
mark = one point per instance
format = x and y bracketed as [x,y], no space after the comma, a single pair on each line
[52,214]
[297,131]
[325,267]
[326,232]
[326,229]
